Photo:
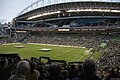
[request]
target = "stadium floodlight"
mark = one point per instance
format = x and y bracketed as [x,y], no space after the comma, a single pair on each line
[79,10]
[115,11]
[57,12]
[74,10]
[71,10]
[98,10]
[105,10]
[44,14]
[48,13]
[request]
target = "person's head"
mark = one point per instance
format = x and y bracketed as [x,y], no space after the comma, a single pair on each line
[4,62]
[23,67]
[54,69]
[89,67]
[72,67]
[32,66]
[64,74]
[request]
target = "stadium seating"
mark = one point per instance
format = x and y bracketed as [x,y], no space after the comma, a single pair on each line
[109,60]
[45,71]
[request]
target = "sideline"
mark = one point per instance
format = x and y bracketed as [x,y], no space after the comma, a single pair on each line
[10,43]
[56,45]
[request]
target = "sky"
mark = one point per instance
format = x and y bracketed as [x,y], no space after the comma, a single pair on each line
[10,8]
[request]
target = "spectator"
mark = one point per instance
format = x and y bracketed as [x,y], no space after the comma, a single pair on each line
[22,69]
[89,71]
[54,72]
[42,70]
[72,72]
[64,75]
[34,74]
[112,75]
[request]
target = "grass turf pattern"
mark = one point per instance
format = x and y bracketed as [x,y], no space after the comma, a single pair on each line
[57,52]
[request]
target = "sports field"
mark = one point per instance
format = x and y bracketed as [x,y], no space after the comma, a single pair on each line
[57,52]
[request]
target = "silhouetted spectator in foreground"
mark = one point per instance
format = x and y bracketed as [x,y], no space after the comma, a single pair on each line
[89,71]
[64,75]
[42,71]
[72,72]
[54,72]
[22,69]
[5,69]
[34,74]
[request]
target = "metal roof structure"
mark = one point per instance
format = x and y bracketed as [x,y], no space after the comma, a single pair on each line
[43,3]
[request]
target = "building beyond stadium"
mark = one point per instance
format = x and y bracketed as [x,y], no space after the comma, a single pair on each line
[74,16]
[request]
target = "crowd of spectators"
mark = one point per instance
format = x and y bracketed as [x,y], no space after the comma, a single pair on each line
[30,70]
[83,40]
[108,66]
[110,55]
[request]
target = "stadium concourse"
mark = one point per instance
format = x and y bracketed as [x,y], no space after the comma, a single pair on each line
[89,24]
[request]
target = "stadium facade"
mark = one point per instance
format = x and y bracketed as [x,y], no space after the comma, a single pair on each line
[74,16]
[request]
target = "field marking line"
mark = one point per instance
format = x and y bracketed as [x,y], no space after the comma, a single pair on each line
[46,45]
[82,57]
[56,45]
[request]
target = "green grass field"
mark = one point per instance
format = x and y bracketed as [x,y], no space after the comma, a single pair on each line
[58,52]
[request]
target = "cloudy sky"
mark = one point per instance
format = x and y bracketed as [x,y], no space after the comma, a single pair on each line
[10,8]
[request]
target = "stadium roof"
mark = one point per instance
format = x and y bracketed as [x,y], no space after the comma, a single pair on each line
[42,3]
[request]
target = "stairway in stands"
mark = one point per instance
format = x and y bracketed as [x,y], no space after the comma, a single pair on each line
[23,37]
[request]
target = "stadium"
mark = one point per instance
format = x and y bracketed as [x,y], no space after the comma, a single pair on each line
[65,32]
